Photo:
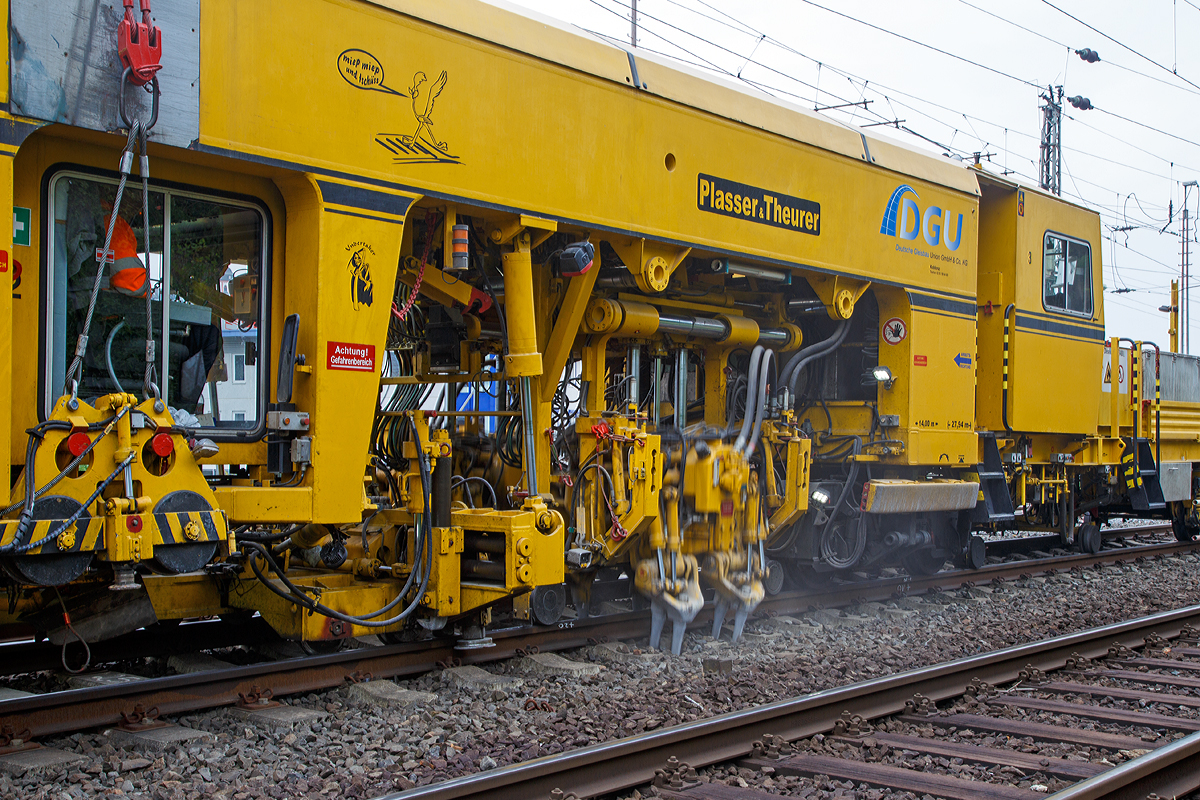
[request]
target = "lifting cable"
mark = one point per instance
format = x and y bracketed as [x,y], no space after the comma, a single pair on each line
[139,46]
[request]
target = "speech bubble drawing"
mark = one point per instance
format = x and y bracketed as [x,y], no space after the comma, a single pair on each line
[362,70]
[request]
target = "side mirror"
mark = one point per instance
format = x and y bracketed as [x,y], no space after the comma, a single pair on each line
[287,358]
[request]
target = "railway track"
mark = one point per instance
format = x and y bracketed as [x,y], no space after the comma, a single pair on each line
[842,737]
[28,655]
[73,710]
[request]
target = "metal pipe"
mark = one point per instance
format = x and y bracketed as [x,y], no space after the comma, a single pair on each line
[708,328]
[656,398]
[488,570]
[806,306]
[474,541]
[633,366]
[732,267]
[700,327]
[531,476]
[441,492]
[681,382]
[622,280]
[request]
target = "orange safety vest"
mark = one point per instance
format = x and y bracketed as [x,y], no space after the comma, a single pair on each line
[127,274]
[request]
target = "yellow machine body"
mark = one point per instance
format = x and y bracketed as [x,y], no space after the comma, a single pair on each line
[450,195]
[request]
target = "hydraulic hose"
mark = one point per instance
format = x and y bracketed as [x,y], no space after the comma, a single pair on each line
[422,564]
[15,549]
[792,370]
[826,550]
[752,396]
[112,373]
[764,375]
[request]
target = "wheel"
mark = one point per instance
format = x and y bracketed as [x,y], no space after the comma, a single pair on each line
[548,603]
[922,563]
[1089,538]
[323,647]
[53,568]
[183,556]
[773,580]
[976,553]
[804,578]
[1183,531]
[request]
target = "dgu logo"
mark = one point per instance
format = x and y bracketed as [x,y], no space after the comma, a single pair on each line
[903,219]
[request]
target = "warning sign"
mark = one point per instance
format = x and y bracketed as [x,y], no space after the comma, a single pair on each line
[1122,371]
[920,361]
[894,331]
[355,357]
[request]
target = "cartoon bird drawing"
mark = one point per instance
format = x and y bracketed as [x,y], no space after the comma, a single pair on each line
[422,105]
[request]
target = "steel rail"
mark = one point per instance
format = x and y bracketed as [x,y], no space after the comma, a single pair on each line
[619,765]
[79,709]
[27,655]
[1170,771]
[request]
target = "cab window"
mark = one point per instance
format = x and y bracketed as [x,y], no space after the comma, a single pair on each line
[201,268]
[1067,275]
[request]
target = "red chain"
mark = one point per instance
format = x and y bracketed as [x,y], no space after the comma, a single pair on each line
[431,225]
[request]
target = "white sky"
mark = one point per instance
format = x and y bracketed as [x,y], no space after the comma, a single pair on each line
[1125,171]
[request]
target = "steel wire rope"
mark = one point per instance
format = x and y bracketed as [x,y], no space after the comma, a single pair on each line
[14,549]
[865,82]
[1116,42]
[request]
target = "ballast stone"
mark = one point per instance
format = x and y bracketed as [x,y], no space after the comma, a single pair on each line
[387,693]
[554,664]
[472,677]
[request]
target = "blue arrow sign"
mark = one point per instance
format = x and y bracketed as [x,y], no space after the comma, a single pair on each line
[963,360]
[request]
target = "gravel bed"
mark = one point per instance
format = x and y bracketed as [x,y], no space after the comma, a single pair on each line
[363,749]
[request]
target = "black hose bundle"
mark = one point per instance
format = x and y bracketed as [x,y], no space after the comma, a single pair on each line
[422,565]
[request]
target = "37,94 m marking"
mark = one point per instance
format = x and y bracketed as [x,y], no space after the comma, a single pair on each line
[732,199]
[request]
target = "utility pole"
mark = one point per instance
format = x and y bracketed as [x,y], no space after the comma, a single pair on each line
[633,25]
[1185,268]
[1173,319]
[1051,161]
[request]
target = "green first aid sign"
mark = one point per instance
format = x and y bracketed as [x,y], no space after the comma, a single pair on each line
[22,222]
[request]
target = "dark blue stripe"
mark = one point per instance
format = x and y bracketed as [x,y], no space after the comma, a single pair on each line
[366,199]
[1060,328]
[942,304]
[365,216]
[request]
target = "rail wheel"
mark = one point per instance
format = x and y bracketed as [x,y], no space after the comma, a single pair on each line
[922,563]
[803,577]
[1179,524]
[548,603]
[1089,538]
[773,580]
[323,647]
[976,553]
[55,569]
[185,556]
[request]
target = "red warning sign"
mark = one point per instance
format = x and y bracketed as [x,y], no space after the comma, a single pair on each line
[354,357]
[921,361]
[894,331]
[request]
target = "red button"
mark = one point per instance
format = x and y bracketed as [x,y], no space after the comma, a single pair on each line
[77,443]
[163,445]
